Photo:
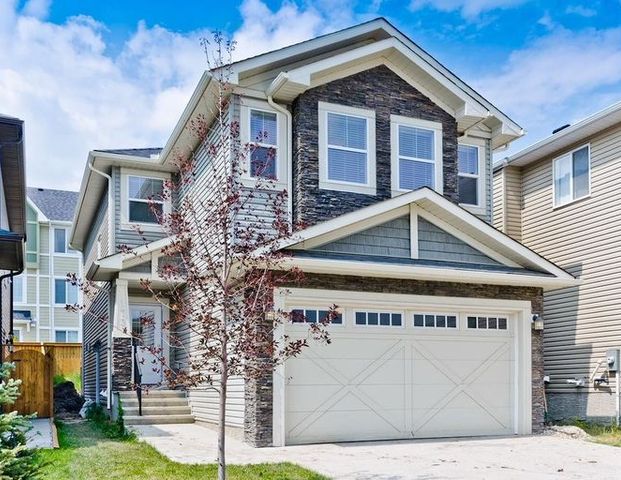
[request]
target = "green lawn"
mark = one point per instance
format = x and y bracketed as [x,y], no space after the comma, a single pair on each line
[86,452]
[607,434]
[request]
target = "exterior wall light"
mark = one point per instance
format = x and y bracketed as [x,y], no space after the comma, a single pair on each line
[537,322]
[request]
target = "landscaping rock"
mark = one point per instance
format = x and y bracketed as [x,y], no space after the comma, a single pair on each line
[67,399]
[567,431]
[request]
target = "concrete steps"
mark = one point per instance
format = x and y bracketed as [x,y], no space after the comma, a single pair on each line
[158,407]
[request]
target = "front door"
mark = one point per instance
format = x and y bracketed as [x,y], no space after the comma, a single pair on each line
[147,329]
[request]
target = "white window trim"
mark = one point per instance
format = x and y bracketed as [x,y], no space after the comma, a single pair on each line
[24,299]
[395,122]
[378,311]
[325,183]
[67,330]
[493,331]
[282,160]
[68,252]
[315,307]
[125,174]
[571,184]
[479,208]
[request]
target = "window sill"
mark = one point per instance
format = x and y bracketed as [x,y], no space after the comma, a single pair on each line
[572,202]
[250,182]
[474,209]
[347,187]
[145,227]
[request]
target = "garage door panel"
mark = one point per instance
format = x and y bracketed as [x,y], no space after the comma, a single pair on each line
[381,383]
[306,398]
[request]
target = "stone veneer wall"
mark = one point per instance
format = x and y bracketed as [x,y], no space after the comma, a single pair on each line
[378,89]
[122,364]
[260,392]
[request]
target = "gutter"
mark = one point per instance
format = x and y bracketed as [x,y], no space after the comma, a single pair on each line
[278,82]
[110,203]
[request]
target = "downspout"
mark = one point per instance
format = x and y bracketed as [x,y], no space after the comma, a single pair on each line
[278,82]
[110,251]
[110,205]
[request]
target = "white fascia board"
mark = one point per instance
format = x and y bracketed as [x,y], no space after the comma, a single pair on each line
[116,261]
[40,215]
[417,272]
[186,116]
[566,137]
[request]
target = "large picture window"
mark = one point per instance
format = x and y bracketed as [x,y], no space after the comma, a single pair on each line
[416,159]
[347,148]
[572,176]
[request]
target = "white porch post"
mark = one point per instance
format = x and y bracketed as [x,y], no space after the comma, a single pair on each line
[122,325]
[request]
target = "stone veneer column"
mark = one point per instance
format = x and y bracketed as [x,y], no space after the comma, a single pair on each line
[122,352]
[538,394]
[258,417]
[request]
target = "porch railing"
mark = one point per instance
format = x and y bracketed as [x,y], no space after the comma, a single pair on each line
[137,378]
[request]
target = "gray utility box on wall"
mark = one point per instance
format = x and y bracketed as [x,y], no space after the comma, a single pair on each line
[612,357]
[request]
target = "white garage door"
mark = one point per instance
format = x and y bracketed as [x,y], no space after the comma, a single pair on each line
[403,373]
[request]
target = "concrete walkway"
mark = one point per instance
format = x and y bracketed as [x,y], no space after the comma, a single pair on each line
[535,457]
[42,434]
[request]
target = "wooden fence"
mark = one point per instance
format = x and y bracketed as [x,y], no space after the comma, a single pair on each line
[66,357]
[36,365]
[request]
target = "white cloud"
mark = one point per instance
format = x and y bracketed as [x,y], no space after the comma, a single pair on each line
[468,8]
[581,10]
[75,96]
[557,79]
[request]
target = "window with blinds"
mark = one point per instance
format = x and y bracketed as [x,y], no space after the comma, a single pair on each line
[416,158]
[347,148]
[469,175]
[263,144]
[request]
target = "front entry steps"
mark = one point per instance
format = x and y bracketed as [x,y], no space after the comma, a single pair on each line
[158,407]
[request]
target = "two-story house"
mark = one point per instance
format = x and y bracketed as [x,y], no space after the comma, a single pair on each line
[42,292]
[387,156]
[12,218]
[558,197]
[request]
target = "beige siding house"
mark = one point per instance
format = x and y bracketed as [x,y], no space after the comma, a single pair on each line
[560,198]
[41,292]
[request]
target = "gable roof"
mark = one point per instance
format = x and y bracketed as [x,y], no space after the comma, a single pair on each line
[519,264]
[54,204]
[565,138]
[287,72]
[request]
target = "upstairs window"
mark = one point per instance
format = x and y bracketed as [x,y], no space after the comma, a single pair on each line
[61,239]
[416,154]
[145,199]
[263,144]
[65,293]
[347,148]
[469,174]
[572,176]
[19,289]
[66,336]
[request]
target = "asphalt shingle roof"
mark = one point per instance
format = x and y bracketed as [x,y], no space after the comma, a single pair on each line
[55,204]
[137,152]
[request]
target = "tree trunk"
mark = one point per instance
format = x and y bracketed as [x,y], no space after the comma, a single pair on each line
[222,415]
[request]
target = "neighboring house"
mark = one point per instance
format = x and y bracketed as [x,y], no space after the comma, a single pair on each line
[559,198]
[388,156]
[12,217]
[41,292]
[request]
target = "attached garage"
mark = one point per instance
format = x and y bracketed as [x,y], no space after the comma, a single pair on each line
[405,366]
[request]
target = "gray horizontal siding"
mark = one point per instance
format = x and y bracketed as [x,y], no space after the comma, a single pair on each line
[436,244]
[391,239]
[96,326]
[123,236]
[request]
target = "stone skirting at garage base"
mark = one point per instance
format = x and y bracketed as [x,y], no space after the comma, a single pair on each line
[596,407]
[258,426]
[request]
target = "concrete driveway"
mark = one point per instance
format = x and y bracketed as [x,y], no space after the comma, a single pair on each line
[535,457]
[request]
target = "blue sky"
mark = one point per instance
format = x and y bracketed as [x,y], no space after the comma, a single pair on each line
[90,74]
